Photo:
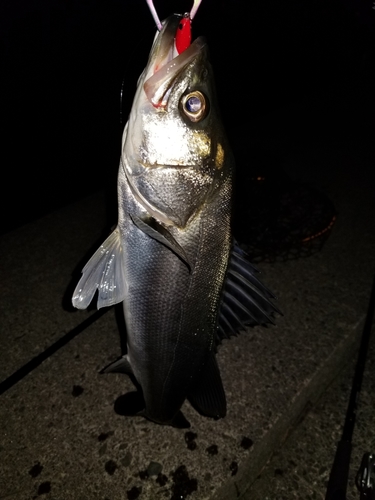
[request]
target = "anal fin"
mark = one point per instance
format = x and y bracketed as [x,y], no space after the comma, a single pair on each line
[208,396]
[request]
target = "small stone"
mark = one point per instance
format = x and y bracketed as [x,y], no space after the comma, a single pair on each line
[154,468]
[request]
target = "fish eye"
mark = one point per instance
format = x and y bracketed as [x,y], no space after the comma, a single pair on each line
[194,106]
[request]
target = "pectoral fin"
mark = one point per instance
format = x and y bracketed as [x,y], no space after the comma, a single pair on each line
[155,230]
[105,272]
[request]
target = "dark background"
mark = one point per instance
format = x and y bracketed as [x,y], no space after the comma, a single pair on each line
[62,64]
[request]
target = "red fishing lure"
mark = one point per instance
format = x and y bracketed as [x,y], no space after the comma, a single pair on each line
[183,34]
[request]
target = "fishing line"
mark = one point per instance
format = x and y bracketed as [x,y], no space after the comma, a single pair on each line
[38,360]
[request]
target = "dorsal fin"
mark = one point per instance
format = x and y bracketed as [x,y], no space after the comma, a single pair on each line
[245,300]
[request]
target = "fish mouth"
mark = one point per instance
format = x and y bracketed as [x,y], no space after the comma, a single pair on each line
[164,65]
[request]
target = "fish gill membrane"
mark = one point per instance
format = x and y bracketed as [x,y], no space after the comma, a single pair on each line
[184,283]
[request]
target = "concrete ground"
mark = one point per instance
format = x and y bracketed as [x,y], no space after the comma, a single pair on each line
[300,466]
[60,435]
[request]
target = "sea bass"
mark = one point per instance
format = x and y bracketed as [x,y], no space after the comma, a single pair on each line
[185,285]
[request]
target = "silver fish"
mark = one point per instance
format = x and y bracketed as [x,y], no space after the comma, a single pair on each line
[171,259]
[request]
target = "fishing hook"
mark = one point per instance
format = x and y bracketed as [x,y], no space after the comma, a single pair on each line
[155,16]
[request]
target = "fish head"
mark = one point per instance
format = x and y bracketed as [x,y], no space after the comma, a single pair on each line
[175,152]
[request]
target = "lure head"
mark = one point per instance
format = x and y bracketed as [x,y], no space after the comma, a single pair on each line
[183,34]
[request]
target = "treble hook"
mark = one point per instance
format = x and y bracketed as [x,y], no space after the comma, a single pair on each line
[154,14]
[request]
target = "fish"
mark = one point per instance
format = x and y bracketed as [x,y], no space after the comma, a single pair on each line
[184,282]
